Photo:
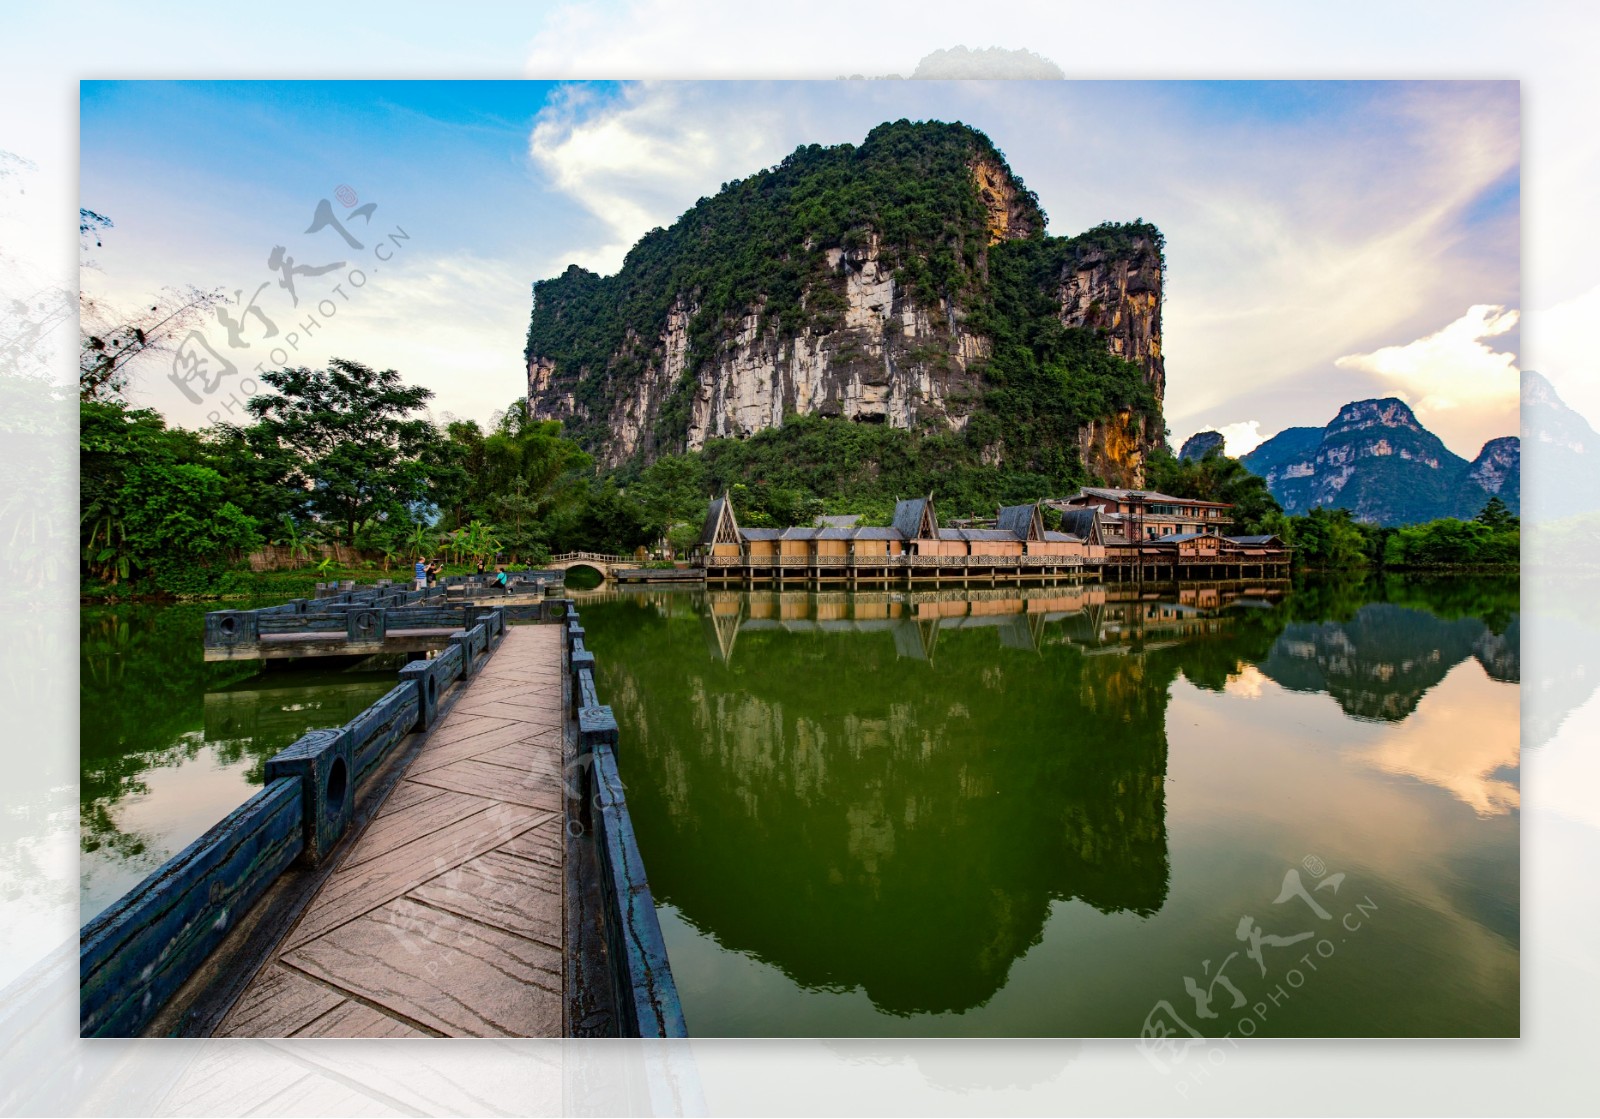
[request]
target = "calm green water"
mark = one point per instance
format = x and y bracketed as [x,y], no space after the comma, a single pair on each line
[1052,815]
[169,745]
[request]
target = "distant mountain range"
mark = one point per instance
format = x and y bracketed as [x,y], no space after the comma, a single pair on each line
[1378,461]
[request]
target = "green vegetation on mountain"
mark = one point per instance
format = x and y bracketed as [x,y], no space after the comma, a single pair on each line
[1378,461]
[762,243]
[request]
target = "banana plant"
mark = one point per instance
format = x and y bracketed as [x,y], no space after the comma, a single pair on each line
[298,548]
[105,550]
[422,541]
[478,540]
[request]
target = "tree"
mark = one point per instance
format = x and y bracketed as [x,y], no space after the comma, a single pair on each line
[519,511]
[110,340]
[1497,515]
[179,527]
[359,452]
[1327,539]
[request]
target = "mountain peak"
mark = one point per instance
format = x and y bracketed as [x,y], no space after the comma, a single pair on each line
[1498,467]
[1378,461]
[1387,411]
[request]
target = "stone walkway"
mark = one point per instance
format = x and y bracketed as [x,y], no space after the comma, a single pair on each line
[445,917]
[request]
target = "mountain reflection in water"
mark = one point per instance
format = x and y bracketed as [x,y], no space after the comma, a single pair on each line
[894,794]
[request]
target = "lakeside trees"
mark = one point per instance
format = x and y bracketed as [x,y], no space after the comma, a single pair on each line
[348,456]
[1332,539]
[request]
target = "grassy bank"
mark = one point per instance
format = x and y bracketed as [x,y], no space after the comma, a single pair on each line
[245,585]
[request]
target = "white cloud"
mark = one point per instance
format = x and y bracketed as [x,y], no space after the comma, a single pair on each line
[1241,438]
[640,161]
[1320,236]
[1451,377]
[452,323]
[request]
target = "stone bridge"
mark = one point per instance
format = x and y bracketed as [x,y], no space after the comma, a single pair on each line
[606,565]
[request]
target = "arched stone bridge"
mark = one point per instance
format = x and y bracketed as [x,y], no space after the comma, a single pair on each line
[606,565]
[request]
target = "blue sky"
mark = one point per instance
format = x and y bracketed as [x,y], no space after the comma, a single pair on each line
[1326,241]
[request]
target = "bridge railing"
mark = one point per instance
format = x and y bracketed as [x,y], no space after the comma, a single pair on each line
[591,557]
[362,618]
[139,952]
[644,992]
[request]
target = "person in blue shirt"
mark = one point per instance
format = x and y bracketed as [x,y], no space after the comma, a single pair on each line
[421,574]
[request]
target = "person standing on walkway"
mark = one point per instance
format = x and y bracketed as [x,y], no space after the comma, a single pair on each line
[421,574]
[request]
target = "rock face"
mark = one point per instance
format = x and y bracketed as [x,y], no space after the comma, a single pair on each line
[869,346]
[1121,295]
[1498,469]
[1378,461]
[890,361]
[1201,443]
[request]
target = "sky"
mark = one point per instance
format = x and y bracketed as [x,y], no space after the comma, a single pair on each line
[1326,242]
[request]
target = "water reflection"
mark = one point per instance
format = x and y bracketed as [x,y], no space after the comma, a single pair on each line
[169,744]
[892,795]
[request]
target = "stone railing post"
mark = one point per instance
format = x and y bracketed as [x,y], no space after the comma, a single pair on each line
[320,760]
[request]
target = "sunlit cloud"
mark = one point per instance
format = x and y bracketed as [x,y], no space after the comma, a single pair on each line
[1345,227]
[1453,370]
[1460,738]
[1241,438]
[1247,683]
[641,159]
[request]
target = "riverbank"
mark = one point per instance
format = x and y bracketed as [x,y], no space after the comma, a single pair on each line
[242,585]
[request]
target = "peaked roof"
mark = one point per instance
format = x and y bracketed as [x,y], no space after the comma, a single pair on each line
[1021,520]
[915,520]
[1083,523]
[720,521]
[1143,495]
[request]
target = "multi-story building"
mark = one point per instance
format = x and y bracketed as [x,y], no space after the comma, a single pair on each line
[1131,516]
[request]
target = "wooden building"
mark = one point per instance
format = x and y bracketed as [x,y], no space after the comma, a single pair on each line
[914,547]
[1129,515]
[1117,534]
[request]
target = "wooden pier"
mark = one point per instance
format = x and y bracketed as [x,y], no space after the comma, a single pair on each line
[445,917]
[457,859]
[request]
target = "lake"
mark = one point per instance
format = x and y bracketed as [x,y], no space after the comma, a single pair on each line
[1078,812]
[1041,812]
[169,745]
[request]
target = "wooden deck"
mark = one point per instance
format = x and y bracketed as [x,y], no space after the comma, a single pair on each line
[444,918]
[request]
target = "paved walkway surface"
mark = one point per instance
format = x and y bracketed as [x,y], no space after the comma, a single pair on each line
[445,918]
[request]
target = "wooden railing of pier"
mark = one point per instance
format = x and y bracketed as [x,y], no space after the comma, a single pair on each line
[175,953]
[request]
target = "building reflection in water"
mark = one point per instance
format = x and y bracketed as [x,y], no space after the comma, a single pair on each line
[889,791]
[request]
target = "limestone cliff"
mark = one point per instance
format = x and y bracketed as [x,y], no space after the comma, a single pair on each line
[750,308]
